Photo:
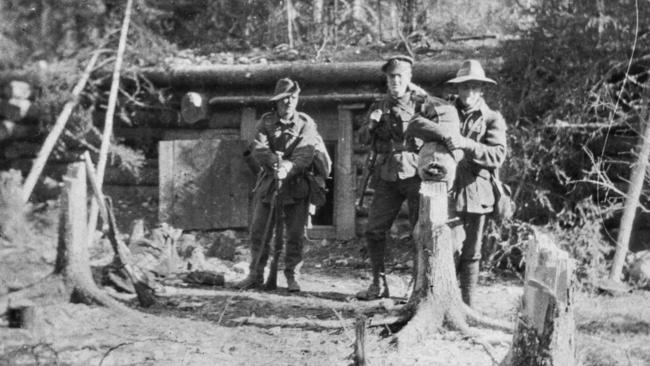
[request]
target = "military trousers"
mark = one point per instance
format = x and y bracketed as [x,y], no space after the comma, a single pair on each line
[386,204]
[473,225]
[294,221]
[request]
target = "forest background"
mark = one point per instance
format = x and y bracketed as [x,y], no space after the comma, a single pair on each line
[562,85]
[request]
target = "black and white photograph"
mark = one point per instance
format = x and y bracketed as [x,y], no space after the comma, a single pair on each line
[325,182]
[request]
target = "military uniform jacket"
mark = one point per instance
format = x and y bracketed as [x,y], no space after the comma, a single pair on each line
[296,139]
[473,184]
[397,154]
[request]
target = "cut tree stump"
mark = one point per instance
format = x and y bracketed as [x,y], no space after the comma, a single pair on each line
[435,300]
[21,314]
[360,341]
[71,279]
[545,333]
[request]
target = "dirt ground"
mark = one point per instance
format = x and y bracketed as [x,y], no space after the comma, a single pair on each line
[204,325]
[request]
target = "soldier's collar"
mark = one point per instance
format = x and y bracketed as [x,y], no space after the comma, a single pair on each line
[287,122]
[478,108]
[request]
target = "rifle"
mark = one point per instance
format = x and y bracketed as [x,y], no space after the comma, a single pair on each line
[271,281]
[371,162]
[267,229]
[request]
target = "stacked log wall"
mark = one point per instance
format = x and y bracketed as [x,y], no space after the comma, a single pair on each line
[241,98]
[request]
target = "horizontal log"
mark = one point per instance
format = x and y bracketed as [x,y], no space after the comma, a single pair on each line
[427,73]
[317,98]
[193,108]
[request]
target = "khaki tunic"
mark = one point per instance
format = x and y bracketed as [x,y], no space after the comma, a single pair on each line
[473,186]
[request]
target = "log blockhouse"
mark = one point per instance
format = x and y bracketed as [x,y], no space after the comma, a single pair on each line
[195,167]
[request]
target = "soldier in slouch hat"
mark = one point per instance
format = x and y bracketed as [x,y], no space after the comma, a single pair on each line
[285,146]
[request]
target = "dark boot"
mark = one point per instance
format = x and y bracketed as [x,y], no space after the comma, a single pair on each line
[253,280]
[468,279]
[378,288]
[292,284]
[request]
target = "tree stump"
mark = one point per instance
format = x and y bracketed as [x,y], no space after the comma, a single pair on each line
[436,299]
[545,333]
[21,314]
[71,279]
[436,296]
[360,341]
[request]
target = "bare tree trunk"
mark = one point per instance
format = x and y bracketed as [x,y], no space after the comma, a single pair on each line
[631,205]
[394,20]
[108,122]
[336,23]
[409,15]
[46,17]
[317,11]
[289,8]
[380,26]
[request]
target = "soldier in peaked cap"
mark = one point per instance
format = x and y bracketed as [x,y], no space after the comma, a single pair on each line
[482,139]
[395,179]
[285,146]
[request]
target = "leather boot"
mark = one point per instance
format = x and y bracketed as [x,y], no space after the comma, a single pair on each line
[253,280]
[292,284]
[468,280]
[378,288]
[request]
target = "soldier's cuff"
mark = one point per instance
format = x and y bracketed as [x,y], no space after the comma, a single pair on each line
[470,145]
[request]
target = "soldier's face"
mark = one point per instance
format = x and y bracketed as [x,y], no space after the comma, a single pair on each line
[470,92]
[398,81]
[287,106]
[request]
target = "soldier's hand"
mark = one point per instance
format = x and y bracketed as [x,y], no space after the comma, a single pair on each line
[375,117]
[456,141]
[283,169]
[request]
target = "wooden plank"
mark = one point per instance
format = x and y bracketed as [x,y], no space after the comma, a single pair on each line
[165,180]
[209,181]
[248,122]
[344,177]
[241,184]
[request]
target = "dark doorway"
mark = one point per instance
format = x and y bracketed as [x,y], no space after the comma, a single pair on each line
[325,214]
